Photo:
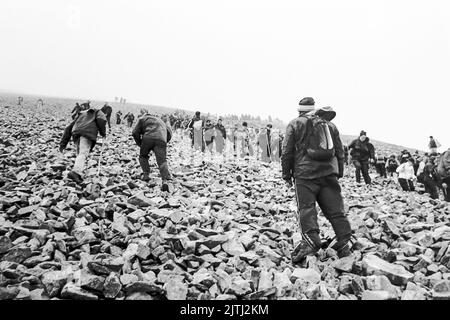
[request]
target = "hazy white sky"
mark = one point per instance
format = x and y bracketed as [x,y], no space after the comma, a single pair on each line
[383,65]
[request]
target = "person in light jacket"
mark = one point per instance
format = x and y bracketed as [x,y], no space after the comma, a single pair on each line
[406,174]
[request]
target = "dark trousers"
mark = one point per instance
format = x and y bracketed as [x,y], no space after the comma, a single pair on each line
[362,166]
[159,148]
[407,185]
[326,191]
[381,169]
[431,188]
[446,190]
[108,119]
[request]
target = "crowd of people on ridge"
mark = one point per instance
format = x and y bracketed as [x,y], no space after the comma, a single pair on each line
[311,154]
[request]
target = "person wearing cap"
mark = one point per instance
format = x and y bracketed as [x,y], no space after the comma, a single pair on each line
[361,151]
[315,181]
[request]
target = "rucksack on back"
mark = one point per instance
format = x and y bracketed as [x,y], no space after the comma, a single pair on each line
[443,168]
[319,143]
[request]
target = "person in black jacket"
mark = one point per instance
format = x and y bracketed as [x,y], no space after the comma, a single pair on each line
[152,134]
[84,131]
[316,178]
[362,151]
[107,110]
[76,111]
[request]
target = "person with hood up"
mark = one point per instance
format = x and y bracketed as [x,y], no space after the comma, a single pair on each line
[313,155]
[84,131]
[362,151]
[152,134]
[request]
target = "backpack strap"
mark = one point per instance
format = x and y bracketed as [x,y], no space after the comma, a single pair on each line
[301,145]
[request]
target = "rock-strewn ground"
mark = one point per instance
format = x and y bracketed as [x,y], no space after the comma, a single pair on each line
[225,231]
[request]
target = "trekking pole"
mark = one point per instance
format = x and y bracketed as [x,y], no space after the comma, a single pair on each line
[104,142]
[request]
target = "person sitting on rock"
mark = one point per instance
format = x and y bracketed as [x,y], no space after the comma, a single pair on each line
[152,134]
[84,131]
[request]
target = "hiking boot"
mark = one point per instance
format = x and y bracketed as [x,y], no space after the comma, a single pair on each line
[302,250]
[75,177]
[344,251]
[145,177]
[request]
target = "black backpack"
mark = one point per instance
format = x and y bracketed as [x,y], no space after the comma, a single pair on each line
[318,142]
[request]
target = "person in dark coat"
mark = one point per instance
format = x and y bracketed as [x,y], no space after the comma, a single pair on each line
[76,111]
[431,179]
[152,134]
[130,119]
[84,131]
[118,115]
[380,165]
[315,181]
[362,151]
[107,110]
[221,136]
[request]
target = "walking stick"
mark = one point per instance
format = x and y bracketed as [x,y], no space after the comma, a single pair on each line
[101,155]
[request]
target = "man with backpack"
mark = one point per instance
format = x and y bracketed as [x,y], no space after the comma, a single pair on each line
[362,151]
[84,130]
[152,134]
[313,155]
[443,169]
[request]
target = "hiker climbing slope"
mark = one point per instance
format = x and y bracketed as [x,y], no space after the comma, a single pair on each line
[152,134]
[313,155]
[84,131]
